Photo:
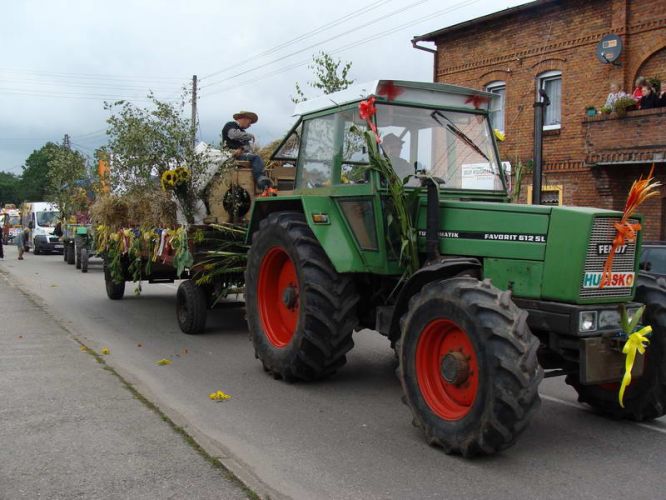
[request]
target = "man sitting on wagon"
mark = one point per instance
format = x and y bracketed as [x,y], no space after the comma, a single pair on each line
[236,138]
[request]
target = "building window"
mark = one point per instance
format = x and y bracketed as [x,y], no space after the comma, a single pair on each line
[550,195]
[551,82]
[497,109]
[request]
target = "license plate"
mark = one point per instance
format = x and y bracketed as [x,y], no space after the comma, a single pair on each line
[58,247]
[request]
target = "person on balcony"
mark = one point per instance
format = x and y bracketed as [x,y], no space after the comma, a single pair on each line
[615,93]
[662,98]
[637,94]
[649,97]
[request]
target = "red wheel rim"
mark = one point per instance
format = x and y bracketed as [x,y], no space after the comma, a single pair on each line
[278,296]
[447,369]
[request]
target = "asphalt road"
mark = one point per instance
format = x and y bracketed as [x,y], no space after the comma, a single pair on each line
[348,436]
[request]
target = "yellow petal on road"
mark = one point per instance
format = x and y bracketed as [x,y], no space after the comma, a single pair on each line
[83,348]
[105,351]
[163,362]
[219,396]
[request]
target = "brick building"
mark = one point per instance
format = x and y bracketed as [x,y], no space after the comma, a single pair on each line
[551,44]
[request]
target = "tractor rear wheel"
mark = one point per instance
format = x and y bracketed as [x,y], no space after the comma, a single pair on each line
[84,260]
[191,307]
[78,245]
[70,253]
[645,397]
[301,312]
[468,366]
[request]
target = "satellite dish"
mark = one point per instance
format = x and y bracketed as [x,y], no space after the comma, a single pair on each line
[609,49]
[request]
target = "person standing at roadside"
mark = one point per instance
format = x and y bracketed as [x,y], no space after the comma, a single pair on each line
[20,242]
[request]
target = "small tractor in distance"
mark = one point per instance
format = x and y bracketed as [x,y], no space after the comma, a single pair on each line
[504,291]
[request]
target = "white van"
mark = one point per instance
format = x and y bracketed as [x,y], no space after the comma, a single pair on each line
[41,218]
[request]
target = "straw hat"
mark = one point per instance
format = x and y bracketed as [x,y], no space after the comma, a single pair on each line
[247,114]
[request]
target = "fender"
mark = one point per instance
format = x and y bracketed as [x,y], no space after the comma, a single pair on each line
[447,267]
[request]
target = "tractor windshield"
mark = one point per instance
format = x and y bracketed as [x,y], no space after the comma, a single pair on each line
[454,146]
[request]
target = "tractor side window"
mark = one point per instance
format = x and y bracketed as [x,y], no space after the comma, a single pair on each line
[354,150]
[289,149]
[318,152]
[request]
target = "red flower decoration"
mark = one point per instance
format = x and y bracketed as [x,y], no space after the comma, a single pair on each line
[366,110]
[477,100]
[389,90]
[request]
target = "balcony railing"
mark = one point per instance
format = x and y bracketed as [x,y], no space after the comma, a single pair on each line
[637,137]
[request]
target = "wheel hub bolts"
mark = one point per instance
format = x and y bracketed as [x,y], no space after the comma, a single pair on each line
[289,297]
[455,368]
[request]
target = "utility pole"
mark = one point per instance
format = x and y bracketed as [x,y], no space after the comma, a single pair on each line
[65,142]
[194,110]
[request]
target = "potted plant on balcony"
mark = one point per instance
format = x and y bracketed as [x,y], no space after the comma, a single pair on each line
[622,105]
[590,110]
[606,109]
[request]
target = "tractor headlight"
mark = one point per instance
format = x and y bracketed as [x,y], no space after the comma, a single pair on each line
[587,321]
[609,319]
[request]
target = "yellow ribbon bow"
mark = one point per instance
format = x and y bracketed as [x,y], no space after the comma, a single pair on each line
[637,342]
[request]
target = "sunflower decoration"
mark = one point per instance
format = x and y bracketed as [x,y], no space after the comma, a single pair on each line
[182,175]
[169,179]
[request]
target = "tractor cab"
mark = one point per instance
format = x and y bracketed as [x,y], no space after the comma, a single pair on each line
[427,129]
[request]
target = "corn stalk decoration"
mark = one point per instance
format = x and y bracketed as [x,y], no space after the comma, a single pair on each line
[401,199]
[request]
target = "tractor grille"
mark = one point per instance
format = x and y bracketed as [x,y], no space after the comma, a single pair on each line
[603,233]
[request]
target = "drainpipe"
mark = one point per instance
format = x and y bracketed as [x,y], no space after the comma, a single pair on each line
[415,44]
[539,112]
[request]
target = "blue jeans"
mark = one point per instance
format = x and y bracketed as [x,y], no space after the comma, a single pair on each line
[258,169]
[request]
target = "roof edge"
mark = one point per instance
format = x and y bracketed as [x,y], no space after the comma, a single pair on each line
[432,36]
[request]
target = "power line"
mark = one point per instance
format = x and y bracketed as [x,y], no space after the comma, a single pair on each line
[357,43]
[304,36]
[309,47]
[93,76]
[52,83]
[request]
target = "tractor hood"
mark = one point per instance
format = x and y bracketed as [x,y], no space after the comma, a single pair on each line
[550,253]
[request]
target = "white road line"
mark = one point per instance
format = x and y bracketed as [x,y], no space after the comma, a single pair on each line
[575,405]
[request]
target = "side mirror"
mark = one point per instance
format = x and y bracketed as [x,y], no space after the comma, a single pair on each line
[31,225]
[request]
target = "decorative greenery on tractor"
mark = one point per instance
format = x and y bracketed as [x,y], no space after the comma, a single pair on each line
[399,222]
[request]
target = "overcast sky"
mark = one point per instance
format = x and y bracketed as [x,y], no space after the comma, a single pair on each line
[61,59]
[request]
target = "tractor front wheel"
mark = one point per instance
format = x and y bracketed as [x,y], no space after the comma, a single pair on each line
[645,397]
[301,312]
[468,366]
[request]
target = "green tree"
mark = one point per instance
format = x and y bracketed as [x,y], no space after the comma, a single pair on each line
[146,142]
[34,180]
[10,188]
[329,76]
[65,169]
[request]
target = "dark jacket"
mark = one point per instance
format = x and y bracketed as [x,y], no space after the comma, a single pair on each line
[235,137]
[650,101]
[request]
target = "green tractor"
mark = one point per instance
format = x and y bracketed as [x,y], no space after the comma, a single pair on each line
[504,292]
